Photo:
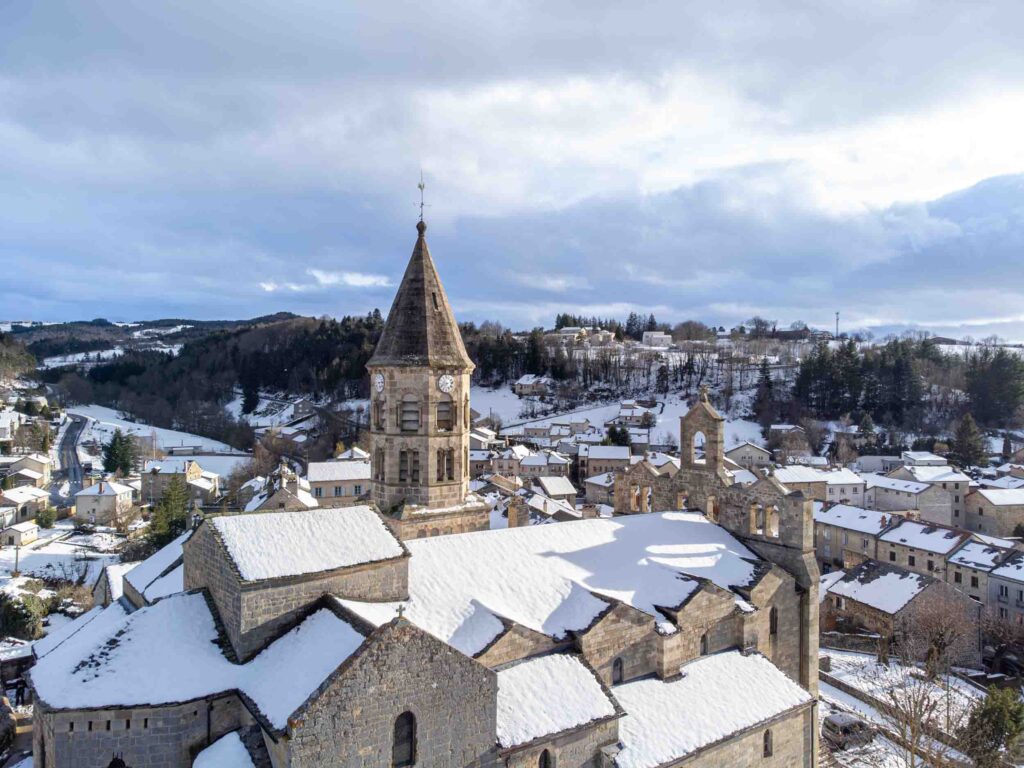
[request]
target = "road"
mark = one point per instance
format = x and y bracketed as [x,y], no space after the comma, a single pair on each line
[70,466]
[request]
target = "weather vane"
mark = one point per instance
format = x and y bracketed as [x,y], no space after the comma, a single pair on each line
[422,186]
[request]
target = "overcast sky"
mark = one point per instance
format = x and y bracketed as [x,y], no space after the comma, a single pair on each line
[706,160]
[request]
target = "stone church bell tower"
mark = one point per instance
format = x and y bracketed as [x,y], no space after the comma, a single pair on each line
[419,410]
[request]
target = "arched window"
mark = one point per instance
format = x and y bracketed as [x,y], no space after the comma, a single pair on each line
[379,464]
[441,455]
[616,671]
[409,416]
[450,463]
[403,749]
[378,413]
[704,644]
[445,414]
[768,743]
[545,760]
[773,621]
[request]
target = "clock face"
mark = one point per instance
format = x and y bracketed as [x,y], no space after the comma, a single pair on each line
[446,383]
[378,382]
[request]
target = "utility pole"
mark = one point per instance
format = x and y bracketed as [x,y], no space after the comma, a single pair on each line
[837,326]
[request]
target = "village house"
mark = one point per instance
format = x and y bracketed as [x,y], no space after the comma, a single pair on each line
[284,490]
[789,440]
[940,475]
[1006,589]
[969,566]
[598,459]
[600,489]
[876,597]
[481,462]
[877,464]
[922,459]
[26,501]
[339,483]
[920,547]
[632,414]
[545,463]
[837,486]
[558,487]
[532,385]
[508,461]
[104,503]
[203,487]
[327,639]
[31,469]
[750,456]
[846,536]
[658,339]
[928,502]
[21,534]
[995,511]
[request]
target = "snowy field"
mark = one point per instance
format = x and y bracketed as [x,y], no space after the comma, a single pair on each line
[103,422]
[58,555]
[268,412]
[81,357]
[506,404]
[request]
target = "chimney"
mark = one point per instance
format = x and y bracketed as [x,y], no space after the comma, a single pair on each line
[101,487]
[589,511]
[518,513]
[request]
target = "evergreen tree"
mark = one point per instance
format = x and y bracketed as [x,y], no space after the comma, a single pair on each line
[617,435]
[119,454]
[994,725]
[1007,446]
[969,443]
[170,518]
[764,399]
[250,397]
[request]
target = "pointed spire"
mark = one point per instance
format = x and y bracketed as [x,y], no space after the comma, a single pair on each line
[421,329]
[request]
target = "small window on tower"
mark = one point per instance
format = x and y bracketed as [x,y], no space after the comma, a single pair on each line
[433,296]
[410,414]
[444,414]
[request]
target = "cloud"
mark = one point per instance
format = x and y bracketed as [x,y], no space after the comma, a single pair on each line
[703,160]
[351,279]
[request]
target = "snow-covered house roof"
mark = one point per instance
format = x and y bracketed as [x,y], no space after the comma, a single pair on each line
[930,538]
[853,518]
[1008,481]
[277,544]
[556,485]
[28,474]
[23,495]
[1012,568]
[801,474]
[156,565]
[562,573]
[872,480]
[55,639]
[516,452]
[1002,497]
[605,480]
[977,555]
[548,507]
[667,720]
[548,695]
[936,474]
[337,471]
[113,575]
[89,671]
[105,488]
[747,445]
[922,458]
[881,586]
[605,452]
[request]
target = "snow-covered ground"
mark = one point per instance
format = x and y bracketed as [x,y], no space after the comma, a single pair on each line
[103,422]
[81,357]
[148,333]
[59,554]
[223,465]
[268,412]
[503,401]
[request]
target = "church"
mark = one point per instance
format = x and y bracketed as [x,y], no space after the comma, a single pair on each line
[682,632]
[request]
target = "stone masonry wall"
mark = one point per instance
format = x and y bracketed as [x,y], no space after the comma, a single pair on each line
[350,723]
[149,737]
[622,633]
[792,746]
[580,749]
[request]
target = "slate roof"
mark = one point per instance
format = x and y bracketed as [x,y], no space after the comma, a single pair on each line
[421,330]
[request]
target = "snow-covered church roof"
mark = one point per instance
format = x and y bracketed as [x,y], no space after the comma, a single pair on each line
[552,579]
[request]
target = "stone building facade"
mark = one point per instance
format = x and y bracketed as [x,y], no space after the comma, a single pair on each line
[419,410]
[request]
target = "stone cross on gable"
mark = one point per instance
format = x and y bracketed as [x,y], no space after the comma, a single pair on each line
[704,393]
[401,610]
